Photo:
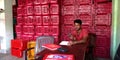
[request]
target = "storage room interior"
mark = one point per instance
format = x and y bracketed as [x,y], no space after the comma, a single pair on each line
[28,19]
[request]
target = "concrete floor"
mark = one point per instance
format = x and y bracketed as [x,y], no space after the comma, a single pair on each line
[9,57]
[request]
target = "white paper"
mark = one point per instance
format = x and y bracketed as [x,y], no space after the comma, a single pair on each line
[64,43]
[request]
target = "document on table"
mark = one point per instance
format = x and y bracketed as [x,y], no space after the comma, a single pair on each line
[64,43]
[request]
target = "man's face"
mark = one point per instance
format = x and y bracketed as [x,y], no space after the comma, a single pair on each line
[77,26]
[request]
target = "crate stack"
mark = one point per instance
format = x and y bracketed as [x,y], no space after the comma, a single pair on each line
[36,18]
[76,9]
[43,17]
[102,24]
[67,17]
[25,26]
[96,17]
[46,17]
[85,12]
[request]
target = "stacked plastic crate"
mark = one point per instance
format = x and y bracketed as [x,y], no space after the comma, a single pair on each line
[96,17]
[102,22]
[41,17]
[68,15]
[46,18]
[36,18]
[85,13]
[24,28]
[76,9]
[17,47]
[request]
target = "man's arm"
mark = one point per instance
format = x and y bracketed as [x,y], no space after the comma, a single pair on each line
[84,40]
[74,41]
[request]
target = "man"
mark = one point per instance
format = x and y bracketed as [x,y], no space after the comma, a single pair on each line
[79,35]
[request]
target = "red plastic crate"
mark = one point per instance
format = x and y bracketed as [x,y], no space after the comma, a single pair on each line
[36,2]
[87,28]
[19,44]
[19,11]
[44,1]
[28,29]
[54,19]
[54,30]
[62,37]
[20,20]
[20,2]
[90,29]
[30,20]
[103,30]
[27,37]
[30,37]
[102,52]
[85,9]
[67,29]
[37,10]
[31,30]
[29,2]
[68,10]
[105,19]
[24,10]
[36,36]
[45,9]
[104,8]
[16,52]
[24,20]
[102,41]
[39,30]
[103,33]
[18,36]
[84,1]
[56,41]
[85,17]
[54,9]
[68,2]
[18,29]
[37,20]
[65,38]
[53,1]
[68,19]
[87,22]
[46,20]
[99,1]
[46,30]
[30,10]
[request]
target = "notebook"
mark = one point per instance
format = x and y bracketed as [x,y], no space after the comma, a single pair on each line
[51,46]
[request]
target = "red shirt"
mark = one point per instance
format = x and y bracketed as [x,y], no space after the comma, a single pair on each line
[80,36]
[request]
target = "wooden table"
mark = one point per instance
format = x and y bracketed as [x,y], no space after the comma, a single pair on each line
[77,50]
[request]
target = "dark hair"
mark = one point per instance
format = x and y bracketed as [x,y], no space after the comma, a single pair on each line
[78,21]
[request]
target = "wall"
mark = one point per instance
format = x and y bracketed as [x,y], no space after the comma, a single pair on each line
[115,36]
[6,25]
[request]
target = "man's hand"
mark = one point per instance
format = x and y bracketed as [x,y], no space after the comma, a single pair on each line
[71,43]
[71,37]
